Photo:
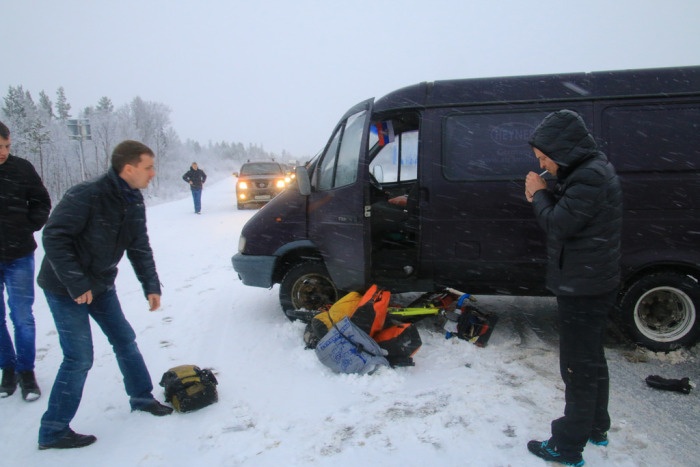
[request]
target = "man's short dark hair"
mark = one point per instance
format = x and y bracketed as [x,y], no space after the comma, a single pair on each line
[4,131]
[129,152]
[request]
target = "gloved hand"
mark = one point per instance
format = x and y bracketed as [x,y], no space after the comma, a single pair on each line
[678,385]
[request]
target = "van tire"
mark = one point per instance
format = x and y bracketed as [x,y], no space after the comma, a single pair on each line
[660,310]
[307,286]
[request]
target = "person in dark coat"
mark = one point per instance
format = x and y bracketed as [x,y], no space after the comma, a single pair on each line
[24,207]
[84,240]
[582,218]
[196,178]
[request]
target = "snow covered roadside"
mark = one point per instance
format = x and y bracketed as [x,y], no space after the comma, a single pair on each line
[460,404]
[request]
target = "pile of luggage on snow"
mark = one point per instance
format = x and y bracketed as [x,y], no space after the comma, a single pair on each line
[360,333]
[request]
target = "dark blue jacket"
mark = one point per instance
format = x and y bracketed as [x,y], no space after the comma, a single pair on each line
[86,237]
[196,178]
[24,208]
[583,215]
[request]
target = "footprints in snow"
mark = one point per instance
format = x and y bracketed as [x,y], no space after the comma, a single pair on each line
[164,343]
[429,408]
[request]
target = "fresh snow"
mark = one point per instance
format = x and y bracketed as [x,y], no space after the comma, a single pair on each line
[279,406]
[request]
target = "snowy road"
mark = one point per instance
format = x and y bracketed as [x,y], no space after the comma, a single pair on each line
[669,420]
[460,405]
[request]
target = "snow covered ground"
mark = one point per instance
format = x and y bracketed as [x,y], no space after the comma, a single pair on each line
[459,405]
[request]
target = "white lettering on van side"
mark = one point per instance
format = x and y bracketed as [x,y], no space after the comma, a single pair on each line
[512,134]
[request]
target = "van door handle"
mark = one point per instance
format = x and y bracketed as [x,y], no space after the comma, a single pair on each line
[424,194]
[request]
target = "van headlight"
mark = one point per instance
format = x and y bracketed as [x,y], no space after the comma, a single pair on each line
[241,244]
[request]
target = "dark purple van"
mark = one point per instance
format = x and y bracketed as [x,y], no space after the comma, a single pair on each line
[457,153]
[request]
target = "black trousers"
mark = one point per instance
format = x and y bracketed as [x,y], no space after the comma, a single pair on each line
[584,370]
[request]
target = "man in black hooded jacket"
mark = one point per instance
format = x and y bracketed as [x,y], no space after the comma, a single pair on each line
[582,218]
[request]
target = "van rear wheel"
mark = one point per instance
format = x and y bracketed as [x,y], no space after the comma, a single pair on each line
[307,286]
[660,311]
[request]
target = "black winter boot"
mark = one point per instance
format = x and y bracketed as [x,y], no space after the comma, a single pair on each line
[69,441]
[156,408]
[9,382]
[30,389]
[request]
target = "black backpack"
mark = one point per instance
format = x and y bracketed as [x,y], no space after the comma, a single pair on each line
[475,326]
[189,388]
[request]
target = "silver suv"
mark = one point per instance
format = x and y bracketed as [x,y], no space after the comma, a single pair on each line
[259,182]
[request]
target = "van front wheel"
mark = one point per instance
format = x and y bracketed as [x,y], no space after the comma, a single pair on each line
[307,286]
[660,311]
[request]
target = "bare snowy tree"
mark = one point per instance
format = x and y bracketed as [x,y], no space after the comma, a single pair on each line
[45,105]
[104,126]
[40,133]
[62,105]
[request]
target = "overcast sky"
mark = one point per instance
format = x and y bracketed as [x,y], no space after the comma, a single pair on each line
[281,73]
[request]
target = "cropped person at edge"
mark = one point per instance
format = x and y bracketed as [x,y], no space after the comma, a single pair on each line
[24,208]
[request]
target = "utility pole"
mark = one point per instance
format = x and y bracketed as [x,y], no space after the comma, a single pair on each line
[79,129]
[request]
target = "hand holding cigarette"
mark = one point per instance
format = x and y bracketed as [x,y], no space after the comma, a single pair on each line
[534,183]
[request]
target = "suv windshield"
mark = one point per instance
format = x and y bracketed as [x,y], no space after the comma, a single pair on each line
[261,168]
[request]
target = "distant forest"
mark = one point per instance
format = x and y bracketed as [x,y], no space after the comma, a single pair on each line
[67,149]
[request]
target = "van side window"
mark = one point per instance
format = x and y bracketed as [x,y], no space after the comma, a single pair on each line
[489,146]
[338,166]
[398,160]
[647,138]
[324,177]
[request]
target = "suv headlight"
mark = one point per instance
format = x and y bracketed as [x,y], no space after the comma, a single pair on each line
[241,244]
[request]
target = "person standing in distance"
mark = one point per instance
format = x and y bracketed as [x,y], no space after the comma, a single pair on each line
[84,240]
[196,178]
[24,207]
[582,218]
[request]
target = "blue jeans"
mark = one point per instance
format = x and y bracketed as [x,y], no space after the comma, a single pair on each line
[17,277]
[197,198]
[73,326]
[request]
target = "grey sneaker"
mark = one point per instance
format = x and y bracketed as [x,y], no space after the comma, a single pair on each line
[30,389]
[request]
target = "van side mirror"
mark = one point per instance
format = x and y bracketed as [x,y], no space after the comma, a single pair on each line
[303,181]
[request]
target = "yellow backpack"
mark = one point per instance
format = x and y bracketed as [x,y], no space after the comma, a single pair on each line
[189,388]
